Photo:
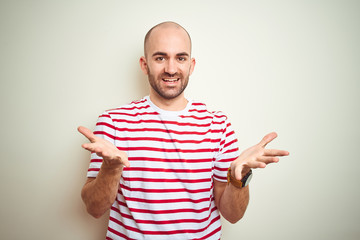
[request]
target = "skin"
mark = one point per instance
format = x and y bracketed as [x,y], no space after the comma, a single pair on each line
[168,65]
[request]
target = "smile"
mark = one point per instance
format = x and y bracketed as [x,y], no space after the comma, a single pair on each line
[171,79]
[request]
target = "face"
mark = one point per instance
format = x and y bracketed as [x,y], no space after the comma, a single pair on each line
[168,63]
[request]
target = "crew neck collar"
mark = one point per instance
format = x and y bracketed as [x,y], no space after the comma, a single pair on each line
[166,112]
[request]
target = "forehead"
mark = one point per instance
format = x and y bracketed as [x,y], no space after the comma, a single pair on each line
[171,40]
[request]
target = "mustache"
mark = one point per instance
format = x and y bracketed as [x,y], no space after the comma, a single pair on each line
[167,75]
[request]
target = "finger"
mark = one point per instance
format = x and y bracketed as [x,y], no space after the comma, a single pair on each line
[268,138]
[87,133]
[88,146]
[126,162]
[124,159]
[255,164]
[268,160]
[275,152]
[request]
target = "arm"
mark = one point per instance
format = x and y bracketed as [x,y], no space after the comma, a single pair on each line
[232,201]
[99,193]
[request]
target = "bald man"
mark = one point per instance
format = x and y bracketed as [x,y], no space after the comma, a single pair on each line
[165,165]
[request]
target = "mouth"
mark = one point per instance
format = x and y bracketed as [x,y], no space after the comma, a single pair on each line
[171,80]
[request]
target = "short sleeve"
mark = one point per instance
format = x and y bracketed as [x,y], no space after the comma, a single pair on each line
[104,129]
[228,152]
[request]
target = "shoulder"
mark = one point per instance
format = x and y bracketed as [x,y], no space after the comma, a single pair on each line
[133,107]
[198,107]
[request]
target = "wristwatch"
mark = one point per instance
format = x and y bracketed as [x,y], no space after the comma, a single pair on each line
[239,183]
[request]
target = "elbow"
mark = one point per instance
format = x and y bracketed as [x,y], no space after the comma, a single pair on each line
[95,214]
[234,219]
[91,207]
[94,210]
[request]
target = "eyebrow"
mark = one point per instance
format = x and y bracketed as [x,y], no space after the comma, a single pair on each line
[182,54]
[165,54]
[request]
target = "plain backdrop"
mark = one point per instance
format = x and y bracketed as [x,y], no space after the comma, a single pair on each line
[287,66]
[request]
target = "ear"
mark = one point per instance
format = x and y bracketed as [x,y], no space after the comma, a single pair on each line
[143,65]
[192,65]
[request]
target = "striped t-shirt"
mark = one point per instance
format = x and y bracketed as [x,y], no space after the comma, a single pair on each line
[167,192]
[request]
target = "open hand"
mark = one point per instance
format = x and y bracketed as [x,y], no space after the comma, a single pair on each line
[256,157]
[109,152]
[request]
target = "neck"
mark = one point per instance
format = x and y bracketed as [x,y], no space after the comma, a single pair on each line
[176,104]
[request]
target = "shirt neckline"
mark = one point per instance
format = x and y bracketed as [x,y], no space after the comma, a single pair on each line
[166,112]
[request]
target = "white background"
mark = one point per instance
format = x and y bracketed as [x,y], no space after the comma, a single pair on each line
[287,66]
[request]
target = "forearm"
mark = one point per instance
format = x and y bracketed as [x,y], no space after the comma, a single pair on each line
[99,194]
[233,203]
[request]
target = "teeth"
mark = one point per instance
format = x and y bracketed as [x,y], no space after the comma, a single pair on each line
[170,80]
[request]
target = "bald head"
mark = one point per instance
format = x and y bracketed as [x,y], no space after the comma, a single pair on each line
[165,27]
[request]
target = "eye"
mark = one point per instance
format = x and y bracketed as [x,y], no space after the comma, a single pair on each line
[159,59]
[181,59]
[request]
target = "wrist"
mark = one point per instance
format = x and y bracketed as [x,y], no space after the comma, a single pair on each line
[111,167]
[244,170]
[243,182]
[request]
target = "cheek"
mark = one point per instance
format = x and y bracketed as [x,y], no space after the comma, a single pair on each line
[154,70]
[186,69]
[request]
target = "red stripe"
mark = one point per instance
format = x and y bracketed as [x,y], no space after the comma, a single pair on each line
[139,101]
[227,159]
[104,115]
[143,169]
[210,234]
[169,211]
[161,201]
[166,140]
[132,108]
[221,177]
[195,117]
[230,133]
[214,122]
[120,234]
[134,114]
[96,160]
[93,169]
[98,133]
[171,160]
[229,143]
[134,179]
[168,131]
[167,190]
[162,122]
[198,104]
[219,114]
[231,150]
[162,160]
[199,110]
[105,124]
[206,150]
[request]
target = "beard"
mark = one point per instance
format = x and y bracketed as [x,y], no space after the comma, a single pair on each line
[168,92]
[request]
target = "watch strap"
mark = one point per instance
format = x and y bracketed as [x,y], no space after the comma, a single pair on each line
[238,183]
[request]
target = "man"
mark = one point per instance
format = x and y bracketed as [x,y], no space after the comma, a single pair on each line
[165,166]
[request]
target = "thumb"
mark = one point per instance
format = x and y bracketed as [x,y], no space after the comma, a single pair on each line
[87,133]
[267,139]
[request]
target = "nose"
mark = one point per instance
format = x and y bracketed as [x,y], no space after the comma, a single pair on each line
[170,67]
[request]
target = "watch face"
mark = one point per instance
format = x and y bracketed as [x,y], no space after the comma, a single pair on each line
[248,179]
